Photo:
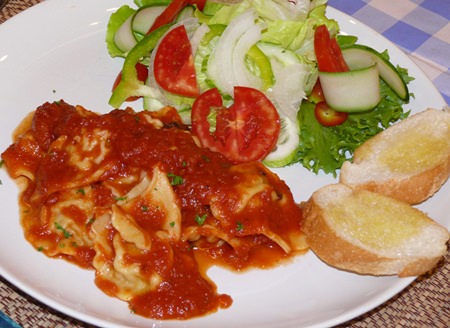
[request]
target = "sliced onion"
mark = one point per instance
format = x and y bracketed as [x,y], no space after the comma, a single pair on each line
[288,90]
[242,76]
[220,65]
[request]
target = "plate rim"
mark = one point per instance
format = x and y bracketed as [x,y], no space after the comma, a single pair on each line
[29,290]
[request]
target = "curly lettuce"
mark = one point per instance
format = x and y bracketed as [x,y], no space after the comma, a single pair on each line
[326,148]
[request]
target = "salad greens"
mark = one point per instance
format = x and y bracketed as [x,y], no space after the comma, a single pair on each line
[130,85]
[326,148]
[263,44]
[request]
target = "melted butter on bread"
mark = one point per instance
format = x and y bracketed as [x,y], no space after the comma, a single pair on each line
[369,233]
[375,221]
[421,150]
[409,161]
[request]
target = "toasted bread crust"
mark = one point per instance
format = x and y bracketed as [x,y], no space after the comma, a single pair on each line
[412,189]
[334,250]
[341,253]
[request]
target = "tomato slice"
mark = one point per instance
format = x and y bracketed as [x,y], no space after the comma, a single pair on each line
[329,59]
[173,10]
[316,95]
[245,131]
[142,74]
[169,14]
[166,17]
[328,54]
[328,116]
[174,64]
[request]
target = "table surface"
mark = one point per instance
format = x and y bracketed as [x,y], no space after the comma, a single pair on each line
[421,28]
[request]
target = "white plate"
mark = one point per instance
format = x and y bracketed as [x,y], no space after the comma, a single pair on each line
[56,50]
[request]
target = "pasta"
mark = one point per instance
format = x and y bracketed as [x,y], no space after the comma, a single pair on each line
[132,196]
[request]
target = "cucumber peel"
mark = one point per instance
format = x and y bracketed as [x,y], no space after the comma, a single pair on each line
[357,90]
[144,18]
[116,20]
[386,69]
[124,38]
[285,151]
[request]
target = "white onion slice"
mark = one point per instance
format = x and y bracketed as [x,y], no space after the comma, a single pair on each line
[242,76]
[288,91]
[220,65]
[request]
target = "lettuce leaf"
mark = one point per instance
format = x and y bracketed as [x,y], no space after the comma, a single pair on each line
[298,35]
[290,25]
[326,148]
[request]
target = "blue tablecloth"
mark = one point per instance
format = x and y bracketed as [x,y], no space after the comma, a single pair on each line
[421,28]
[7,322]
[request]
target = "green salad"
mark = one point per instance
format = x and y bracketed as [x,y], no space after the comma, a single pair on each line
[243,76]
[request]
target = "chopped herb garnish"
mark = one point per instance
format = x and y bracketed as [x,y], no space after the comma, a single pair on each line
[123,198]
[206,159]
[239,226]
[66,233]
[200,219]
[40,249]
[1,163]
[144,208]
[172,224]
[90,221]
[184,164]
[175,179]
[81,191]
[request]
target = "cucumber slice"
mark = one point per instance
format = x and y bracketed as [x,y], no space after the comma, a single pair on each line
[283,55]
[286,147]
[357,90]
[124,38]
[145,17]
[226,65]
[387,71]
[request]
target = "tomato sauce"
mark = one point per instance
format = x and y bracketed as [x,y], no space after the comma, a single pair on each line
[184,293]
[224,220]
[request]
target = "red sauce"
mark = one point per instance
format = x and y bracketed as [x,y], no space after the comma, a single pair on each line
[207,178]
[183,294]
